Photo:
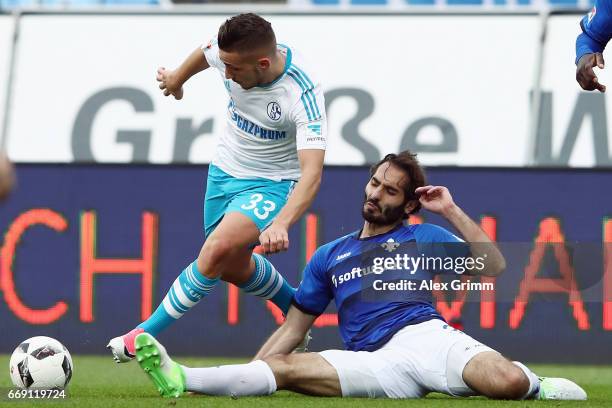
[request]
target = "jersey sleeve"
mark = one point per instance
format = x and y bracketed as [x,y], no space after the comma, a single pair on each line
[308,114]
[211,53]
[431,233]
[314,293]
[596,29]
[437,242]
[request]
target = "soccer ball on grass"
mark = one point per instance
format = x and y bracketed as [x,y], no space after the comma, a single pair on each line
[41,363]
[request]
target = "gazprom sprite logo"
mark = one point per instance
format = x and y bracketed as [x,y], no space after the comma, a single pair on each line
[253,129]
[274,111]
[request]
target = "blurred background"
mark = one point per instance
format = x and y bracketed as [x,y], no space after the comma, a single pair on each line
[111,175]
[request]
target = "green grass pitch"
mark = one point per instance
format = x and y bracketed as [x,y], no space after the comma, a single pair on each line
[99,382]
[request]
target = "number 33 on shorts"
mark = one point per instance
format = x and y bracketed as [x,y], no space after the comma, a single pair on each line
[260,207]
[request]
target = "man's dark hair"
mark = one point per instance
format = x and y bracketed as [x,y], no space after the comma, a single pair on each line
[408,163]
[246,32]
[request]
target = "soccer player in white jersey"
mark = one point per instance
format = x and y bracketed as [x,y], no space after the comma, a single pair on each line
[265,173]
[397,344]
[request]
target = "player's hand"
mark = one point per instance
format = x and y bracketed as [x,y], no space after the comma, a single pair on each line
[436,199]
[169,83]
[274,239]
[586,76]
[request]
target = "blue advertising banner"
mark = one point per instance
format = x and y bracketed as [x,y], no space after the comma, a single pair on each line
[89,251]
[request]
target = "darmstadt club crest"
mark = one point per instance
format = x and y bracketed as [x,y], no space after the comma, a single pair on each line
[390,245]
[274,111]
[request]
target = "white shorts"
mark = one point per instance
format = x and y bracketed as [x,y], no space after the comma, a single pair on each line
[421,358]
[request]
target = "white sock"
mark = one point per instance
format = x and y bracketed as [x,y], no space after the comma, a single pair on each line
[534,381]
[254,378]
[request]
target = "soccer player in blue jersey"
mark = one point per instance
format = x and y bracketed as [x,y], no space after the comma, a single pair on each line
[265,173]
[596,32]
[397,345]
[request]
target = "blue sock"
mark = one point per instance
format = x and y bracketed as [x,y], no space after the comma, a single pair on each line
[267,283]
[186,291]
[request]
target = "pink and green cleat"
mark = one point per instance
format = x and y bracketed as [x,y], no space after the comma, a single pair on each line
[167,375]
[122,347]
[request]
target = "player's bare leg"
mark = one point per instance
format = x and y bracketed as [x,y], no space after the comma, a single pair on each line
[226,254]
[238,265]
[306,373]
[492,375]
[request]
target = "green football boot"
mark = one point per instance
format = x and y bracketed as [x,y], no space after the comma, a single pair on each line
[153,358]
[560,389]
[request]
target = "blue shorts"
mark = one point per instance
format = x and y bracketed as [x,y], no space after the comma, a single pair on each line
[259,199]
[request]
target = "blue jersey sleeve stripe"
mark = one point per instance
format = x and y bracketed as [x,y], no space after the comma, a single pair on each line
[303,74]
[311,86]
[312,97]
[305,310]
[309,95]
[298,81]
[306,94]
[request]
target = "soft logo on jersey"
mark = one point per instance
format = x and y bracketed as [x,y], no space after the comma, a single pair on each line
[274,111]
[390,245]
[353,274]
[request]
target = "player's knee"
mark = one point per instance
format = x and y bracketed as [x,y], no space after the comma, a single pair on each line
[512,383]
[284,370]
[212,255]
[518,383]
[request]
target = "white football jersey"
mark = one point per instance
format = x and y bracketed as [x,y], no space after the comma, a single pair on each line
[268,124]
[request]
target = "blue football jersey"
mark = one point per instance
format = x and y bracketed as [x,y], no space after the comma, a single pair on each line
[596,29]
[352,271]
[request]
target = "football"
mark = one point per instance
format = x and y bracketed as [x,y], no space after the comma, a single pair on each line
[41,363]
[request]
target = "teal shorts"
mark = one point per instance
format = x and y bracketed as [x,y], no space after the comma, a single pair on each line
[259,199]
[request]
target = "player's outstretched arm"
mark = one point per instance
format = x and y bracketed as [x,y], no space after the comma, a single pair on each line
[438,199]
[286,338]
[275,238]
[171,81]
[596,33]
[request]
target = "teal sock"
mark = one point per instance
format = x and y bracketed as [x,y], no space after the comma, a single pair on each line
[267,283]
[186,291]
